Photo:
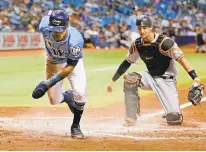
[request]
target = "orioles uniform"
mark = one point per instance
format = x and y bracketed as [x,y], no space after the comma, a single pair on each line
[159,56]
[161,70]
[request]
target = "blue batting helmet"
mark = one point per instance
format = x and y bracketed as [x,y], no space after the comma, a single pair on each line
[58,21]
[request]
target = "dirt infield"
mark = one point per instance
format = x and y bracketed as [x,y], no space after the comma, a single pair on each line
[49,128]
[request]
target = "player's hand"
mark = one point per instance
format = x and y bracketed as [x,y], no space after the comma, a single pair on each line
[40,90]
[196,82]
[110,86]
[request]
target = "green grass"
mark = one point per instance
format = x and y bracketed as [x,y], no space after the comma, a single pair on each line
[19,76]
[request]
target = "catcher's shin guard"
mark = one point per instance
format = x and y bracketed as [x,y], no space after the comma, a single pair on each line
[132,106]
[174,118]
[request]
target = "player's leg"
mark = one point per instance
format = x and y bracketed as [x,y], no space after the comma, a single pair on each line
[54,93]
[202,49]
[168,95]
[197,49]
[166,91]
[78,82]
[132,100]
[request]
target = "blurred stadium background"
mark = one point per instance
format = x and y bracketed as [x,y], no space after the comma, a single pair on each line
[103,23]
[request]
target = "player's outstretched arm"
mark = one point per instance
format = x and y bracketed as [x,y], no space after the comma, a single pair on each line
[43,87]
[186,65]
[120,71]
[195,93]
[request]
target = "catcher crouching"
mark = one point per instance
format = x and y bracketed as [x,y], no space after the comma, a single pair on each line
[160,54]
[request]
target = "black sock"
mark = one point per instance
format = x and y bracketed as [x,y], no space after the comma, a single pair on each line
[78,111]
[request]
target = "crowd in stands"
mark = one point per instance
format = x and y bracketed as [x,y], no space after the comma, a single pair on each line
[104,23]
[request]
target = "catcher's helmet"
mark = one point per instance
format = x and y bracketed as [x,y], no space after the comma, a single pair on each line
[58,21]
[143,20]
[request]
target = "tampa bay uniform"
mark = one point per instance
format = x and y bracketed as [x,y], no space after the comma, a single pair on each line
[61,53]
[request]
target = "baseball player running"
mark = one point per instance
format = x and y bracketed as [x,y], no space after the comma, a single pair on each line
[63,46]
[159,53]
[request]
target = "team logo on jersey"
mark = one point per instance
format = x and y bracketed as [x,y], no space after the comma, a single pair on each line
[55,22]
[76,51]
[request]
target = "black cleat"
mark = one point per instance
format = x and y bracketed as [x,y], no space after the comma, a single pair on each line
[164,116]
[174,119]
[40,90]
[76,132]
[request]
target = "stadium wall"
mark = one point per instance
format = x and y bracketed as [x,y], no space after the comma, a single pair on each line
[25,41]
[184,40]
[21,40]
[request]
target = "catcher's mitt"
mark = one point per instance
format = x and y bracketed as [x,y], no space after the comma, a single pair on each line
[195,94]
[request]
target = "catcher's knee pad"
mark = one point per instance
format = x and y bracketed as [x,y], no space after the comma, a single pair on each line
[174,118]
[132,80]
[131,84]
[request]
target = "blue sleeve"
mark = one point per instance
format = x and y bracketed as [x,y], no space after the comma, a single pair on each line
[43,26]
[75,52]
